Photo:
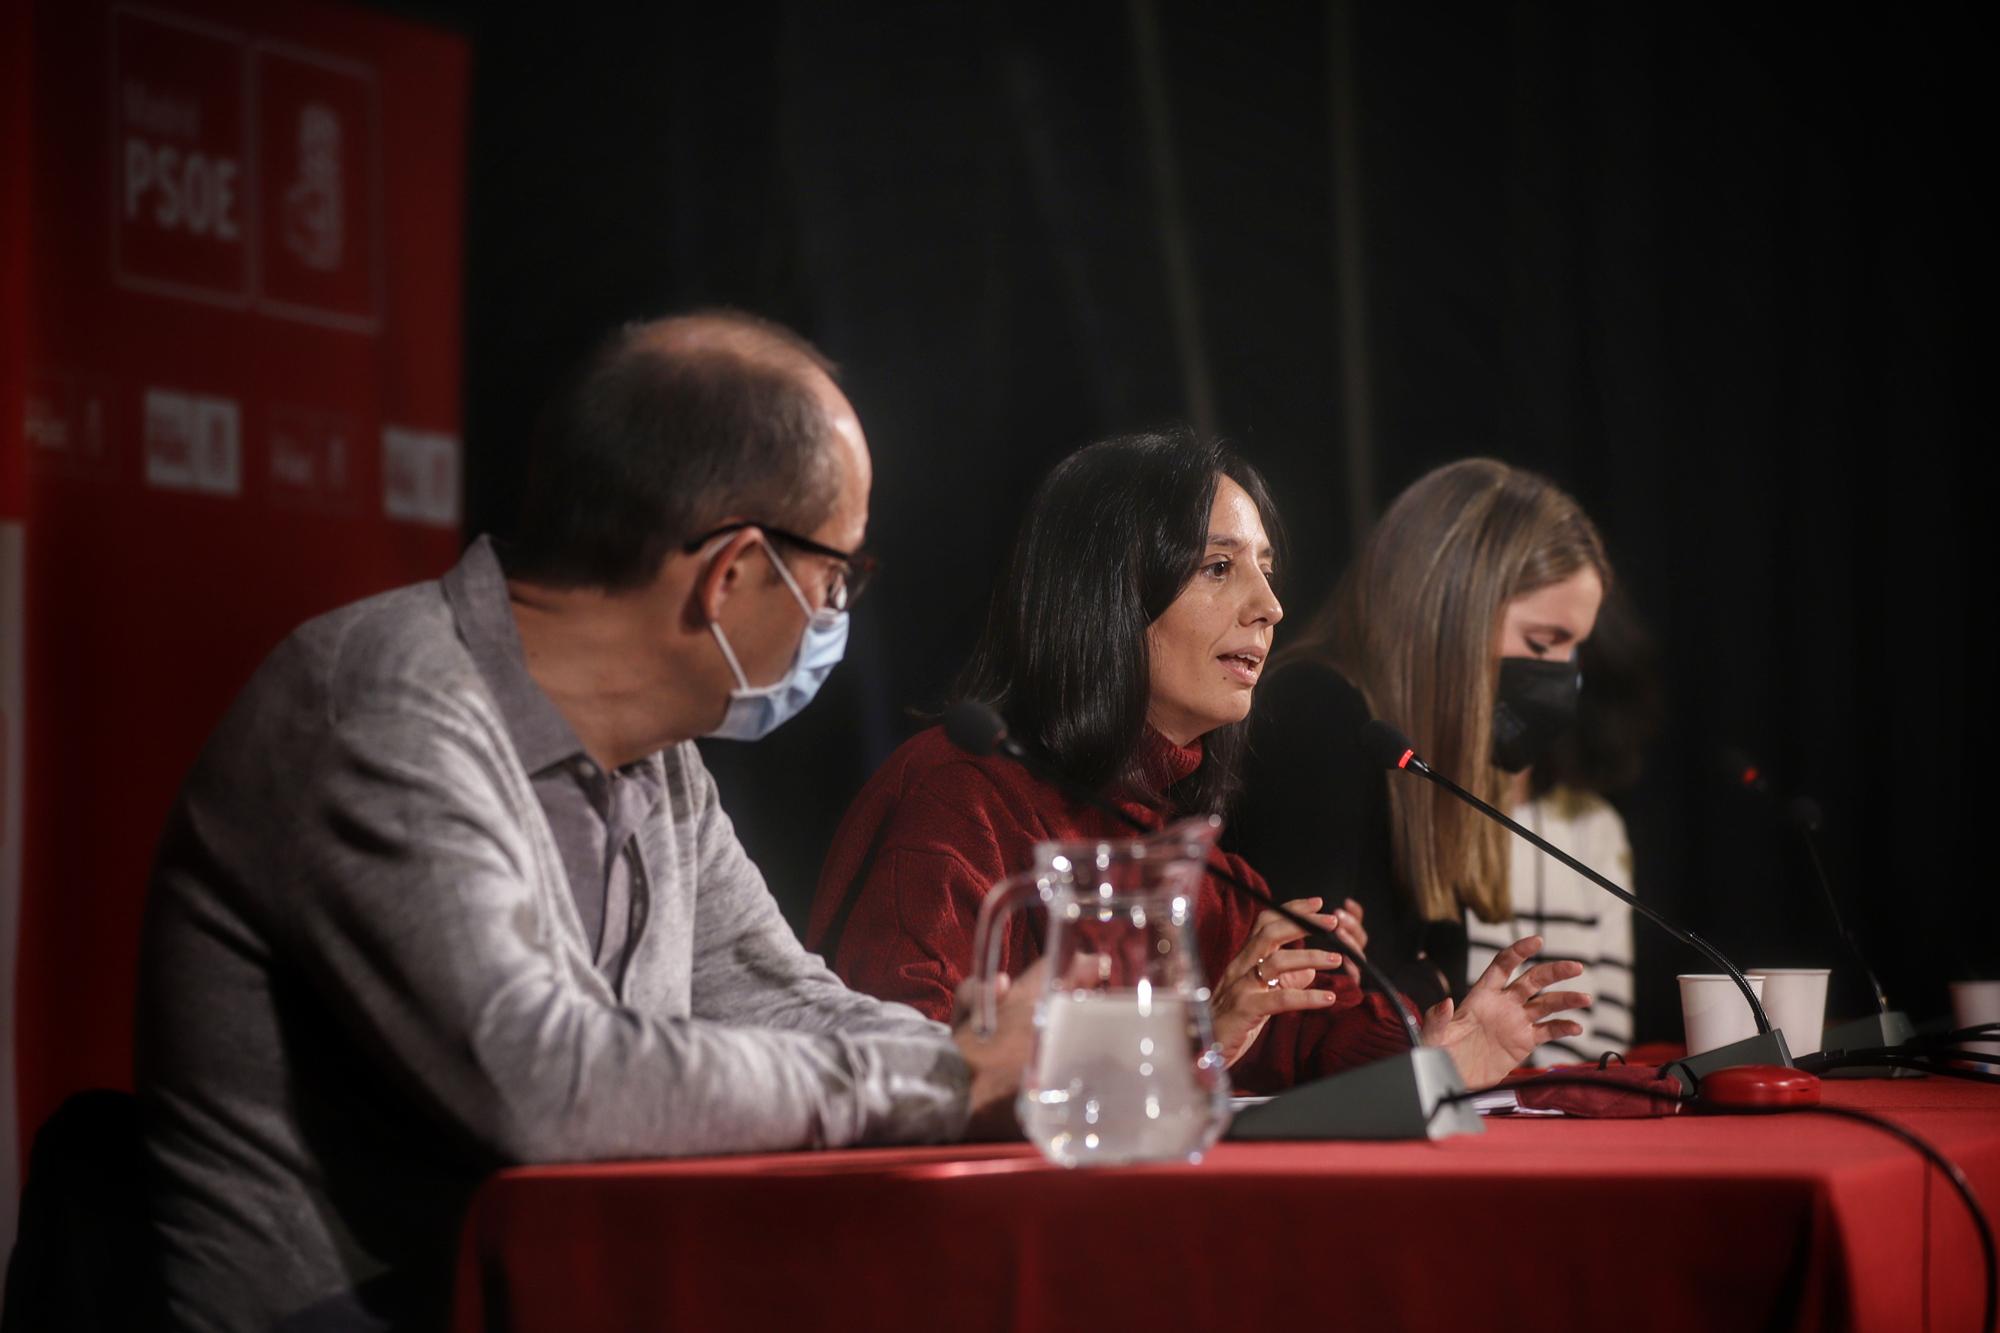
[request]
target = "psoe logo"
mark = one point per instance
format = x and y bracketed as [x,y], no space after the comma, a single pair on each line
[193,443]
[313,222]
[248,172]
[317,124]
[181,154]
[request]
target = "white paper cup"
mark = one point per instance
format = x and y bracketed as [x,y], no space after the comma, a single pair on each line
[1975,1002]
[1795,1000]
[1713,1010]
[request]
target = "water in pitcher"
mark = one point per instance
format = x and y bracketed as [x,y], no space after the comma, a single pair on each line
[1122,1076]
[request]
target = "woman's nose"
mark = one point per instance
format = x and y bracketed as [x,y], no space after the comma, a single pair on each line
[1263,604]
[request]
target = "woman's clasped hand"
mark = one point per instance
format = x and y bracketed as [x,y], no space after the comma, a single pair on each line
[1270,975]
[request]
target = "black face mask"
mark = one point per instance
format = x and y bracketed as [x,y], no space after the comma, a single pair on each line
[1537,703]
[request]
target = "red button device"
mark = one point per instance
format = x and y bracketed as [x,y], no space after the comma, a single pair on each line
[1759,1088]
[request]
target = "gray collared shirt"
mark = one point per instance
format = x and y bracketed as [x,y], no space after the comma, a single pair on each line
[597,817]
[365,981]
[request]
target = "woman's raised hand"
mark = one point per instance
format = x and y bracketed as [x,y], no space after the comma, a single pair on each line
[1267,977]
[1502,1020]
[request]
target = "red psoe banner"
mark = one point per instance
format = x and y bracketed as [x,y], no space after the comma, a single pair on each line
[233,403]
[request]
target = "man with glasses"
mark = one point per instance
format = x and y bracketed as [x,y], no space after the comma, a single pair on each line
[449,888]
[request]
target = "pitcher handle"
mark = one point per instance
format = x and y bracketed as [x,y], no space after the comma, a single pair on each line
[1000,901]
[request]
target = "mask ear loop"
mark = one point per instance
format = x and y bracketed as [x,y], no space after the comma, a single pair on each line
[823,617]
[729,655]
[715,626]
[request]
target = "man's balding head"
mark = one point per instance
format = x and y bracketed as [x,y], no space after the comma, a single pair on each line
[725,336]
[671,427]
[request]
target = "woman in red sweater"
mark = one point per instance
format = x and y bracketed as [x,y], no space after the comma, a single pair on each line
[1123,648]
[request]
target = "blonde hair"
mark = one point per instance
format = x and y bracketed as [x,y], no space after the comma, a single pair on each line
[1412,626]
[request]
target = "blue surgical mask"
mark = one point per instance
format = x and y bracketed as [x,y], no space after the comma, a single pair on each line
[755,711]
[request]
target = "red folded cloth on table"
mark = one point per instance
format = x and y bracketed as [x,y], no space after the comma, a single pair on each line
[1620,1092]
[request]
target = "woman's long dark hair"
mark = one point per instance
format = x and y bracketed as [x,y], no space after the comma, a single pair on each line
[1114,533]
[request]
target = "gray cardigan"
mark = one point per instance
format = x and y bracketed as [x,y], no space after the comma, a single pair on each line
[365,985]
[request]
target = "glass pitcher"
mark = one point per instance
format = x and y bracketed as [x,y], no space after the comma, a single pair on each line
[1125,1065]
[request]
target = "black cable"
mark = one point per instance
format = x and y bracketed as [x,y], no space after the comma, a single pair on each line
[1976,1032]
[1944,1164]
[1951,1173]
[1952,1055]
[1936,1054]
[1894,1057]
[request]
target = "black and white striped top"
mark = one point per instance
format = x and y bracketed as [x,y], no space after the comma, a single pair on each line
[1576,919]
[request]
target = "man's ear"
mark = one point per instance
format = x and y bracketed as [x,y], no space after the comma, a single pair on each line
[725,573]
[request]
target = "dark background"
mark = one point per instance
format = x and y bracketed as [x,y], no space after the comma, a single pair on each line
[1716,271]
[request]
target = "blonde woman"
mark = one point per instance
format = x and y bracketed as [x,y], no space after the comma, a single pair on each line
[1459,623]
[1618,717]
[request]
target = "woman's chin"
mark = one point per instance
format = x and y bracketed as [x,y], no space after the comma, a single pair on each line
[1229,714]
[1184,724]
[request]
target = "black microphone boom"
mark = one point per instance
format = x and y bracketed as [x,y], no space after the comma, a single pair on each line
[978,729]
[1886,1027]
[1392,749]
[1803,814]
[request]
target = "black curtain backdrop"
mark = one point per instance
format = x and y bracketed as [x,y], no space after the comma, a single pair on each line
[1715,271]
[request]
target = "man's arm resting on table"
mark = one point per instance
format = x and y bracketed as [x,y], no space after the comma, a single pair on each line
[420,925]
[750,966]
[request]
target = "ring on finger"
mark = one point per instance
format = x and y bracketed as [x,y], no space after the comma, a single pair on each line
[1257,968]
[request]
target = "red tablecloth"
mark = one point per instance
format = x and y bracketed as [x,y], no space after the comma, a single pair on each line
[1683,1223]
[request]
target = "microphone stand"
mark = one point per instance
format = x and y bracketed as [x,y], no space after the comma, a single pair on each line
[1766,1048]
[1886,1027]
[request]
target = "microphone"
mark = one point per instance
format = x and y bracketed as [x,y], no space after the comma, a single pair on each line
[1739,768]
[1886,1027]
[979,729]
[1803,813]
[1412,1096]
[1392,749]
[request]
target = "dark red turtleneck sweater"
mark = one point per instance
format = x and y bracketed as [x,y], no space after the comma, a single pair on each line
[935,828]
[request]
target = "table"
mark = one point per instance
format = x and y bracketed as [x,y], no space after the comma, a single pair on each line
[1686,1222]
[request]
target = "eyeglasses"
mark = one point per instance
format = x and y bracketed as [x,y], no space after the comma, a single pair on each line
[851,569]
